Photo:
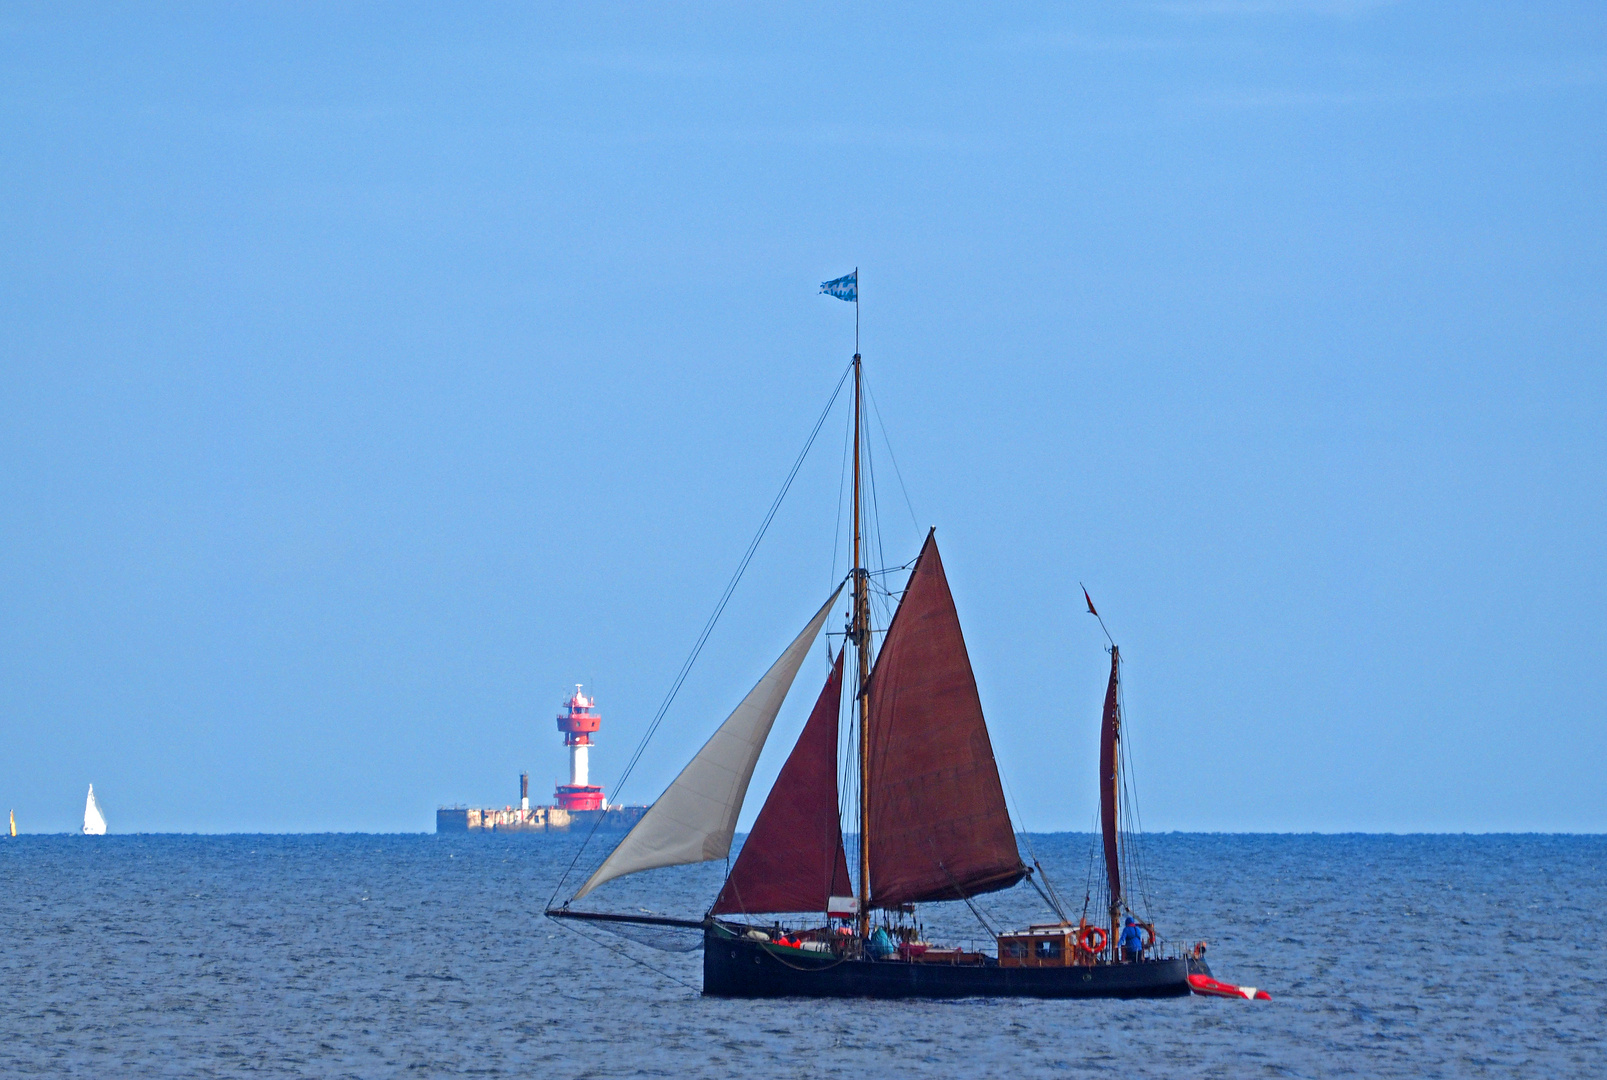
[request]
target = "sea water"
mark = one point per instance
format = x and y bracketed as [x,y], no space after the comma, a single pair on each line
[371,956]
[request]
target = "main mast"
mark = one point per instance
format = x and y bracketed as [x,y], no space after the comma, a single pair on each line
[861,636]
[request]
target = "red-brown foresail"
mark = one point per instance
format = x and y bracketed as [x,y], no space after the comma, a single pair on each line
[793,858]
[939,828]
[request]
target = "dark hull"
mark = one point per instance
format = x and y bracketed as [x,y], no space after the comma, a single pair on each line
[737,967]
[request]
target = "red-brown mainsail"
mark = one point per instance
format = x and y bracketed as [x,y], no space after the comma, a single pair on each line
[793,858]
[939,828]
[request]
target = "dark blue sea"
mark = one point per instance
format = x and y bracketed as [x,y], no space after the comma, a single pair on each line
[376,956]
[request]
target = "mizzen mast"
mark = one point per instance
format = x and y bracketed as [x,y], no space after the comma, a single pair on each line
[1110,733]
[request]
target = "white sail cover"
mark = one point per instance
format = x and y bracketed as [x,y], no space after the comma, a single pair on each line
[695,818]
[94,820]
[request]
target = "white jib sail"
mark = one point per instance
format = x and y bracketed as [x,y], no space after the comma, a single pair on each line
[695,818]
[94,820]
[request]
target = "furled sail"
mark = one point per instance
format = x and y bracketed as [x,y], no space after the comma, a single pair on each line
[94,820]
[793,858]
[695,818]
[1110,733]
[939,828]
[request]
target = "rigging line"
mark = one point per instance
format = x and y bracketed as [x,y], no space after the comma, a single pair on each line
[1052,898]
[1010,796]
[1141,850]
[847,752]
[1088,880]
[708,627]
[842,480]
[1052,905]
[989,927]
[874,506]
[1137,845]
[876,509]
[1054,894]
[891,456]
[962,895]
[873,526]
[883,593]
[1132,855]
[1131,887]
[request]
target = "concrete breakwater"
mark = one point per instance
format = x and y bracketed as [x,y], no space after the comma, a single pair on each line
[456,819]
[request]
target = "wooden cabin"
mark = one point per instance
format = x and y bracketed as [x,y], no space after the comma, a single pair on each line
[1051,945]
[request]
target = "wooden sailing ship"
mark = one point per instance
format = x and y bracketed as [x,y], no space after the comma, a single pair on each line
[932,826]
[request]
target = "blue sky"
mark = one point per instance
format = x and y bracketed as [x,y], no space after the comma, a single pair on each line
[372,373]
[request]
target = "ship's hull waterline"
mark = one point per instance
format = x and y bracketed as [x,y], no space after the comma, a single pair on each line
[744,968]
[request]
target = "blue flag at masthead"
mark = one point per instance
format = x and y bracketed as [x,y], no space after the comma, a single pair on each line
[843,288]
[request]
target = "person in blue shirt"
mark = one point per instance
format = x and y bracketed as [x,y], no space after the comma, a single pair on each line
[1132,941]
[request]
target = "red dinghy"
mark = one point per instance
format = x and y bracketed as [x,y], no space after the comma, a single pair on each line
[1206,986]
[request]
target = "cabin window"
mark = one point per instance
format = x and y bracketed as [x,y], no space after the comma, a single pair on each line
[1015,950]
[1047,949]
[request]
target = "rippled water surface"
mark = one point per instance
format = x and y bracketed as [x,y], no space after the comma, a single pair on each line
[424,955]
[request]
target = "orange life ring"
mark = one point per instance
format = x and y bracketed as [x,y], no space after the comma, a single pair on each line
[1092,939]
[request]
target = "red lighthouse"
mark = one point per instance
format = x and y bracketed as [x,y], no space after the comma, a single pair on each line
[579,721]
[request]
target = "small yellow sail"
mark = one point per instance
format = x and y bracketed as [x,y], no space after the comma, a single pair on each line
[13,823]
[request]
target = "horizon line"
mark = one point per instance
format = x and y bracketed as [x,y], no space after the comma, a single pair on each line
[847,835]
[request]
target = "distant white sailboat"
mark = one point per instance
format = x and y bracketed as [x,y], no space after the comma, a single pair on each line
[94,820]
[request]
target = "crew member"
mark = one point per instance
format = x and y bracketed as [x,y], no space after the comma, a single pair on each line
[1132,941]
